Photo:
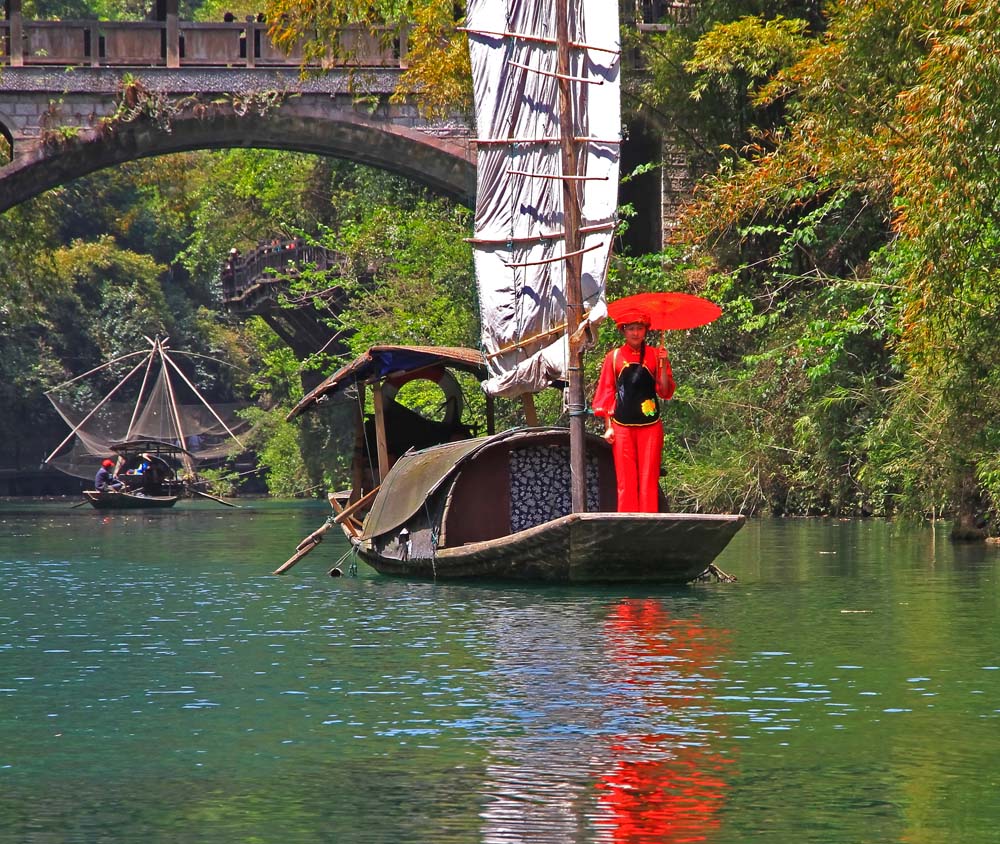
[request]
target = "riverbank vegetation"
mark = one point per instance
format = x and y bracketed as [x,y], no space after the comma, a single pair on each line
[844,217]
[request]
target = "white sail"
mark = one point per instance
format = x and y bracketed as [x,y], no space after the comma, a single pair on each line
[519,222]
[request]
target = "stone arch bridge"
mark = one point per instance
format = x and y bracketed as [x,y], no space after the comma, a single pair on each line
[79,96]
[76,97]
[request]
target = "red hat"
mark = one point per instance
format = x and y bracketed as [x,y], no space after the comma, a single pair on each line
[630,315]
[107,464]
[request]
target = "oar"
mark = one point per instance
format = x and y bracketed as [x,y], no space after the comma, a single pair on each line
[298,555]
[215,498]
[80,503]
[316,537]
[350,510]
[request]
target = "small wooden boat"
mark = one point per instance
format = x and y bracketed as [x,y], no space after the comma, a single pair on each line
[148,473]
[154,440]
[125,500]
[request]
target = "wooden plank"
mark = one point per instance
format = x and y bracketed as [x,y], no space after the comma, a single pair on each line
[291,561]
[530,414]
[360,447]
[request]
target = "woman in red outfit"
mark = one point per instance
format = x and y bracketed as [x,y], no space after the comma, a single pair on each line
[633,376]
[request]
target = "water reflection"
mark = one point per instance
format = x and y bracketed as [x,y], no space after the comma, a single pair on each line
[622,748]
[668,785]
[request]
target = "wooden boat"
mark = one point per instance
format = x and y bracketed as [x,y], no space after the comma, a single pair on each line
[499,507]
[155,440]
[496,506]
[155,487]
[125,500]
[535,503]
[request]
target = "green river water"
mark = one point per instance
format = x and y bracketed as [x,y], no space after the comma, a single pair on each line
[158,684]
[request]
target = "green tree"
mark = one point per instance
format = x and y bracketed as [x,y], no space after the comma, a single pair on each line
[437,64]
[865,223]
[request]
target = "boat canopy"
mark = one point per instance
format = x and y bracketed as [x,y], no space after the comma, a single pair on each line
[418,474]
[148,446]
[381,362]
[413,478]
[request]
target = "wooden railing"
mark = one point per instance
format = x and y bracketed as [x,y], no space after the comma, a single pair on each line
[174,43]
[260,274]
[661,15]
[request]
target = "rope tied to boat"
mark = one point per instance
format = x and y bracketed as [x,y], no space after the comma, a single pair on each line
[435,537]
[335,570]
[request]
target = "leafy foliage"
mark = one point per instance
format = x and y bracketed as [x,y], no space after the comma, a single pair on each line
[437,68]
[846,221]
[856,239]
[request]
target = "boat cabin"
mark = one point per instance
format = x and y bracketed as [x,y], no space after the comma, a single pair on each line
[150,466]
[393,429]
[433,499]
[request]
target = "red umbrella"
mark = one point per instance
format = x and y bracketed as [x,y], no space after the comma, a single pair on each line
[665,310]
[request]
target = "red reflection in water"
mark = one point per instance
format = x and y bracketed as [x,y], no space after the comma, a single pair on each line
[664,786]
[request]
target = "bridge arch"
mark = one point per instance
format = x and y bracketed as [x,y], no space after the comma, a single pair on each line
[7,137]
[445,165]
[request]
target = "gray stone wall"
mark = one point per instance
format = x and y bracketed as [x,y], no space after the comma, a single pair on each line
[36,98]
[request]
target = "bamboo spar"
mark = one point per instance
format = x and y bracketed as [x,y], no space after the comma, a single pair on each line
[557,329]
[316,537]
[142,390]
[175,412]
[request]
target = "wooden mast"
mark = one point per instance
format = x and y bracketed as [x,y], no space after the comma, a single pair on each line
[142,388]
[574,294]
[181,439]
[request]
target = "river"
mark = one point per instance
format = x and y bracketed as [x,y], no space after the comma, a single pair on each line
[158,684]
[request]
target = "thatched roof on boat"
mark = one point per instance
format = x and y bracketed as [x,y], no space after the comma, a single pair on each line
[384,361]
[418,474]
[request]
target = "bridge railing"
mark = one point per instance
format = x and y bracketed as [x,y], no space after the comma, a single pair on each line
[175,44]
[260,274]
[663,15]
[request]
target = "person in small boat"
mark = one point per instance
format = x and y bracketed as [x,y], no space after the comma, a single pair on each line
[153,476]
[633,379]
[105,479]
[140,467]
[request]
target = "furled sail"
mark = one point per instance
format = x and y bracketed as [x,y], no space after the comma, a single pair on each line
[519,225]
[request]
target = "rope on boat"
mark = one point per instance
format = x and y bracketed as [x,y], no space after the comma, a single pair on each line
[435,536]
[335,570]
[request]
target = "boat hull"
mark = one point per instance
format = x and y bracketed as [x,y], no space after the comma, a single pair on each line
[128,500]
[672,548]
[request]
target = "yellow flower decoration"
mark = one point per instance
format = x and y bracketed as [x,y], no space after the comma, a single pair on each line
[648,407]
